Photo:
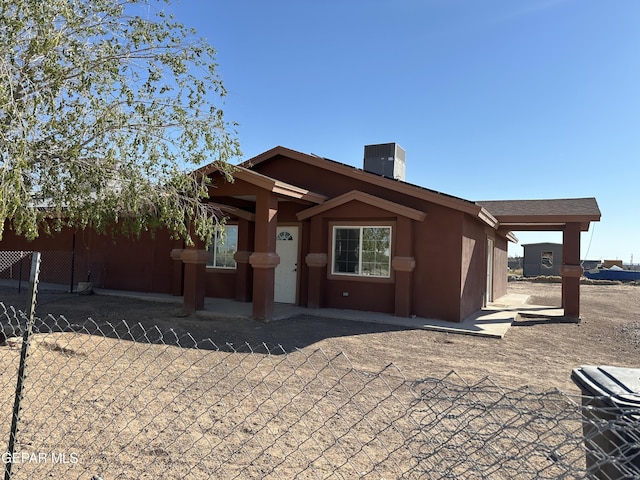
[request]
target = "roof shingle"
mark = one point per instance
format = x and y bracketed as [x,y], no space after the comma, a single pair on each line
[582,207]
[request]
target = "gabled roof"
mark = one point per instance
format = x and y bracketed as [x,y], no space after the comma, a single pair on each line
[416,191]
[268,183]
[586,207]
[502,215]
[549,214]
[362,197]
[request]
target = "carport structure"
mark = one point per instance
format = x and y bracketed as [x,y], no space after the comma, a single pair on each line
[571,216]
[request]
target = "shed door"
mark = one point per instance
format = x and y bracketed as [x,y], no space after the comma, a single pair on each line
[489,294]
[286,275]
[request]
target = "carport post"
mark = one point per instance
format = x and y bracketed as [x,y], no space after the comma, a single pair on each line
[571,270]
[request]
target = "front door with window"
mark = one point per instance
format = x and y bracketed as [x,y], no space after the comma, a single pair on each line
[286,275]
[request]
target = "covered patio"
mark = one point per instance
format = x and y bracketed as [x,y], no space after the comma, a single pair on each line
[570,216]
[255,200]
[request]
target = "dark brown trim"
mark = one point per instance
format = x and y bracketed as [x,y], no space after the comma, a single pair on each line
[365,198]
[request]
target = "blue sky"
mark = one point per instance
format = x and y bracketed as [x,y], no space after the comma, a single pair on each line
[491,99]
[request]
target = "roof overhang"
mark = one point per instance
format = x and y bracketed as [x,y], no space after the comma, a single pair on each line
[543,215]
[542,226]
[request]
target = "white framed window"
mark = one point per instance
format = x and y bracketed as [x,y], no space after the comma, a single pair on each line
[223,247]
[362,251]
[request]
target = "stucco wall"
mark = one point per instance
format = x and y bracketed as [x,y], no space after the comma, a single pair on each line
[436,280]
[500,262]
[473,276]
[352,292]
[220,283]
[112,262]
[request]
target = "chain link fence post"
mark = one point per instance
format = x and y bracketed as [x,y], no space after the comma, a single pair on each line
[24,353]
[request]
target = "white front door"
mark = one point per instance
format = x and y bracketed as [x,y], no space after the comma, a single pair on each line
[287,270]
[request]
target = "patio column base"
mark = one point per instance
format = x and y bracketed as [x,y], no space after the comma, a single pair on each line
[195,270]
[264,266]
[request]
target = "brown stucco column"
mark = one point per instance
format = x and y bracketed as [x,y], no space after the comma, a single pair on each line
[571,270]
[317,263]
[264,259]
[195,270]
[176,272]
[403,264]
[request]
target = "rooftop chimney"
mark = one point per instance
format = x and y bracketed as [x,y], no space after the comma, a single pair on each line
[386,159]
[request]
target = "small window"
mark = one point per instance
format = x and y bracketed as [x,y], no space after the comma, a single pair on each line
[547,259]
[284,236]
[362,251]
[223,248]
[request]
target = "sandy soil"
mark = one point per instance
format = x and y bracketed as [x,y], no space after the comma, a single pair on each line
[534,352]
[153,406]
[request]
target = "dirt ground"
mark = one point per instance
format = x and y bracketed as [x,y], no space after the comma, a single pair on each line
[159,408]
[539,353]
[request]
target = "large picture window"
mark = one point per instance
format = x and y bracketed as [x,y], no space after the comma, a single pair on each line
[224,246]
[362,251]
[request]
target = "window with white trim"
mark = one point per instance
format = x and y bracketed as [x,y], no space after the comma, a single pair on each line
[224,246]
[362,251]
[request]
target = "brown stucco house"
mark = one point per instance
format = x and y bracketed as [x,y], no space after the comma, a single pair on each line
[319,233]
[314,232]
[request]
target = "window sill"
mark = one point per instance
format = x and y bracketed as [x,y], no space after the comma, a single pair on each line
[220,270]
[360,278]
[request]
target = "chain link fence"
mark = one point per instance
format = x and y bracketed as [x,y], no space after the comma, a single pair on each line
[56,268]
[120,401]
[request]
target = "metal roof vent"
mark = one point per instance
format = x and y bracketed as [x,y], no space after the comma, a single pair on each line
[386,159]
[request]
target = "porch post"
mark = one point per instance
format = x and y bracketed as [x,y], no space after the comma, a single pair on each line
[195,270]
[264,259]
[571,270]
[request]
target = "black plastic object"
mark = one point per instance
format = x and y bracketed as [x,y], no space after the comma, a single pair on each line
[611,427]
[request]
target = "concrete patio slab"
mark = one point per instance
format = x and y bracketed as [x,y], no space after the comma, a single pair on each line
[492,321]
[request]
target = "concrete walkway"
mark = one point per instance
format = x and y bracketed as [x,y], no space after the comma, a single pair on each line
[493,321]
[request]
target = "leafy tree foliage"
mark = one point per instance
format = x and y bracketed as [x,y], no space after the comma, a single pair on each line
[106,106]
